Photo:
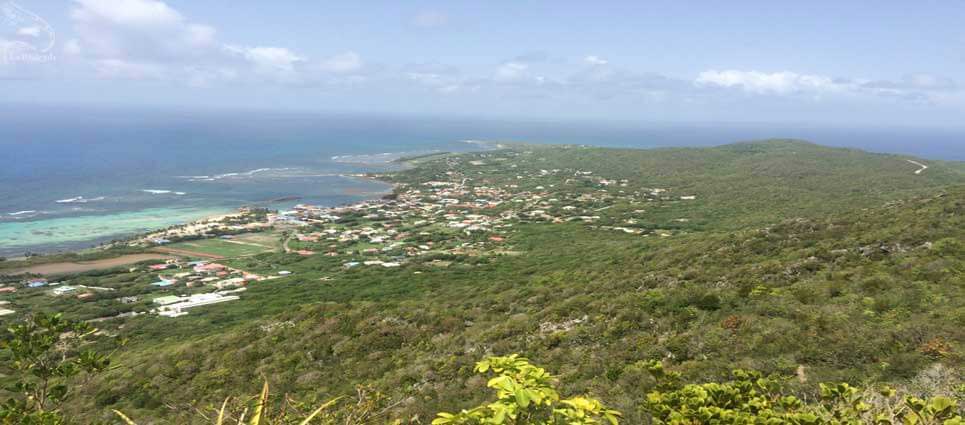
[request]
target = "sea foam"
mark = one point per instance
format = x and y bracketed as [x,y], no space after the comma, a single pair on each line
[79,200]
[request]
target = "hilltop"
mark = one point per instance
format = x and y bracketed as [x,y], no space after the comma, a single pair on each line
[781,256]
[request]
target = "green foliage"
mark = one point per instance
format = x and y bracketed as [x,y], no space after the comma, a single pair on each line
[842,263]
[47,361]
[526,394]
[751,398]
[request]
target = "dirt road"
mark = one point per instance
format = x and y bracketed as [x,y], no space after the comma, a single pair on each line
[923,166]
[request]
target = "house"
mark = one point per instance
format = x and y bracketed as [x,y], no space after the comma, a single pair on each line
[237,281]
[36,283]
[61,290]
[4,312]
[209,268]
[7,290]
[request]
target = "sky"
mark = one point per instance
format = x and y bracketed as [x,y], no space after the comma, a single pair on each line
[837,62]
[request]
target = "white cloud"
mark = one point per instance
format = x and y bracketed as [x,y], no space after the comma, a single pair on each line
[148,39]
[343,63]
[921,81]
[913,88]
[757,82]
[268,58]
[140,13]
[430,19]
[427,78]
[139,31]
[511,71]
[595,60]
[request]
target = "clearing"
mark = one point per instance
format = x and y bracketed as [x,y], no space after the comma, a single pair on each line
[222,248]
[84,266]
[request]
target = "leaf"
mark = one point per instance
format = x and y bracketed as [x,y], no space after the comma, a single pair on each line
[319,410]
[221,412]
[124,417]
[259,408]
[522,397]
[940,405]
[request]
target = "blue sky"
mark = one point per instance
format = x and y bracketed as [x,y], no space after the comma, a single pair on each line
[858,62]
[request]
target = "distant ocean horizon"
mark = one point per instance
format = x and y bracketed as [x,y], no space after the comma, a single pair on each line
[72,178]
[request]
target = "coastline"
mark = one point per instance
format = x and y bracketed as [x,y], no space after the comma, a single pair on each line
[72,234]
[182,217]
[60,241]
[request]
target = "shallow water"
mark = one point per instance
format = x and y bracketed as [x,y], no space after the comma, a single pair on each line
[80,231]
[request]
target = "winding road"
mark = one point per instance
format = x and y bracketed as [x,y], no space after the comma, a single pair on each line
[923,166]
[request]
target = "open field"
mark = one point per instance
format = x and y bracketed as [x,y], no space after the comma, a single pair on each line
[266,239]
[84,266]
[222,248]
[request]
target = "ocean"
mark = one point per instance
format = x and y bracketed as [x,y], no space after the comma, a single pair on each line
[74,177]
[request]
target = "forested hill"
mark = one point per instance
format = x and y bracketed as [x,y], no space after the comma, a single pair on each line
[780,256]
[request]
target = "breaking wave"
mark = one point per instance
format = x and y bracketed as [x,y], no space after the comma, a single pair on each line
[162,192]
[79,200]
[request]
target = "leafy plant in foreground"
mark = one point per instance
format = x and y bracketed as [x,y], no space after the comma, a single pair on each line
[751,398]
[525,394]
[46,361]
[367,408]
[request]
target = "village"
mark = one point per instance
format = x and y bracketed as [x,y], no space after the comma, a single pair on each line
[465,209]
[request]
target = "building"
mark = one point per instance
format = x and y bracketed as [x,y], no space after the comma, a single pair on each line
[178,308]
[36,283]
[61,290]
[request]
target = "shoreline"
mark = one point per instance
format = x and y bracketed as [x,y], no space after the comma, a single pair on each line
[105,242]
[398,164]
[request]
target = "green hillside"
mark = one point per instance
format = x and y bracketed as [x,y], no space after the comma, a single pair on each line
[780,256]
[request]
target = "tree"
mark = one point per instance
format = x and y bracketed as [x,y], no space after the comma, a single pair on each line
[525,394]
[47,361]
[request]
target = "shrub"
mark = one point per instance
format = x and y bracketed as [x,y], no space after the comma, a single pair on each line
[526,394]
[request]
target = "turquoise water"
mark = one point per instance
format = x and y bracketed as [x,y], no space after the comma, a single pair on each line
[70,232]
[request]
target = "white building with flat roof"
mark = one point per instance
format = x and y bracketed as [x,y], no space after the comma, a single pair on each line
[196,300]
